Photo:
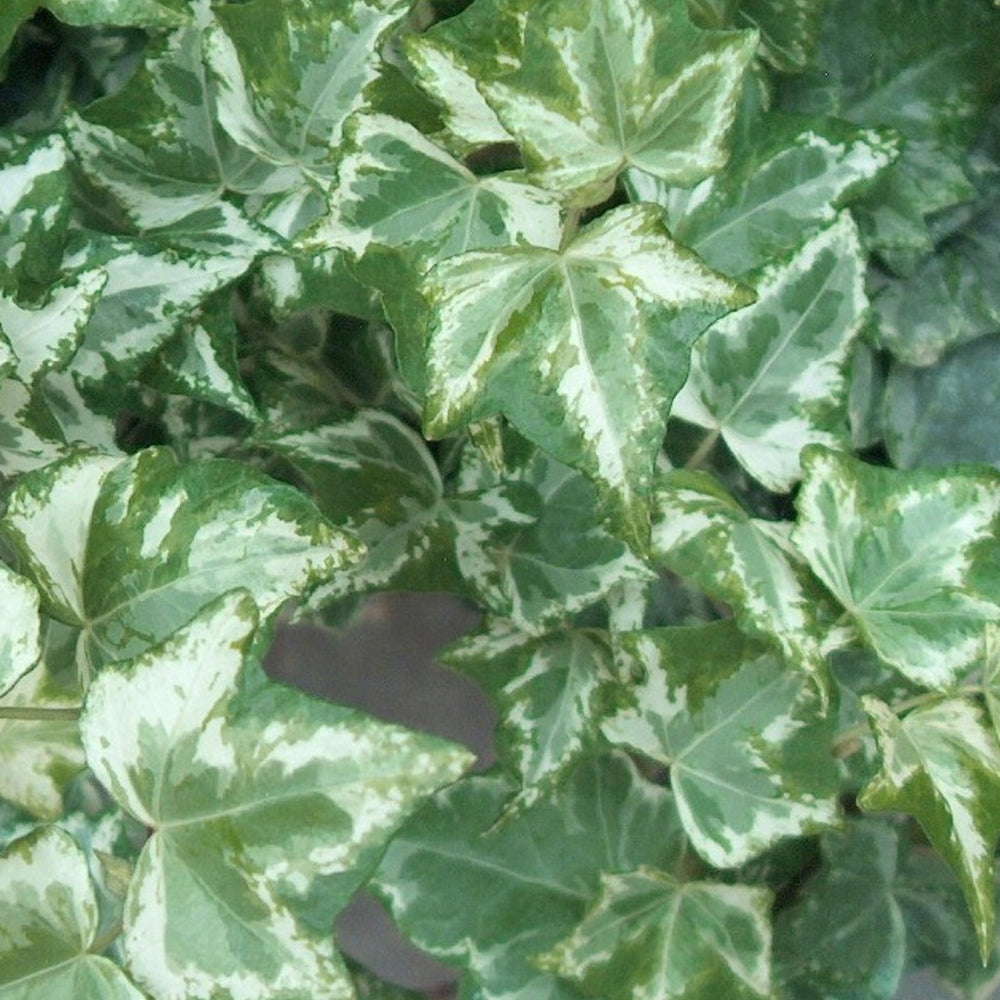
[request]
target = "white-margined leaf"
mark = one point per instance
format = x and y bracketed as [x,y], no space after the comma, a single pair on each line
[19,631]
[307,789]
[898,551]
[770,379]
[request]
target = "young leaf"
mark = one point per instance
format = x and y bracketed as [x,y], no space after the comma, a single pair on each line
[770,378]
[850,918]
[619,84]
[898,550]
[600,330]
[941,764]
[492,901]
[273,771]
[50,922]
[650,937]
[744,737]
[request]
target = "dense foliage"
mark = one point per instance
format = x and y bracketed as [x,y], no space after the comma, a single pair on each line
[666,333]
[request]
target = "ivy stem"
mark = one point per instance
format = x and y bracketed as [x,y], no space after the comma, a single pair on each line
[703,450]
[36,713]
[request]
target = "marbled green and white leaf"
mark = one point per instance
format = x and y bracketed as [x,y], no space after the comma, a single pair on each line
[704,535]
[850,918]
[46,336]
[600,330]
[50,922]
[134,13]
[650,937]
[785,179]
[398,189]
[491,901]
[898,550]
[165,737]
[20,630]
[288,75]
[621,83]
[789,31]
[771,378]
[745,738]
[941,764]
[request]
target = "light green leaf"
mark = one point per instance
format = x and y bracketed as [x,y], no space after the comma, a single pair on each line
[650,937]
[619,84]
[897,550]
[601,330]
[744,737]
[10,20]
[50,921]
[47,336]
[492,901]
[275,769]
[928,419]
[941,764]
[702,533]
[138,13]
[770,379]
[19,631]
[289,75]
[786,177]
[848,915]
[398,189]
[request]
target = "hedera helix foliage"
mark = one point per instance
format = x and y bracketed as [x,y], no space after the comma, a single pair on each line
[665,333]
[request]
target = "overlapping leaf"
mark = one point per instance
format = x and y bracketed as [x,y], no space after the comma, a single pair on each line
[601,330]
[788,31]
[491,902]
[744,737]
[770,379]
[650,937]
[19,632]
[129,550]
[898,551]
[165,736]
[701,533]
[941,764]
[50,922]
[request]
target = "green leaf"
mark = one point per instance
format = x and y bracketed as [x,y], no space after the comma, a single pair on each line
[788,31]
[786,178]
[702,533]
[898,550]
[492,901]
[601,330]
[619,84]
[941,764]
[850,918]
[165,736]
[19,633]
[770,379]
[50,922]
[928,419]
[744,737]
[650,937]
[138,13]
[130,551]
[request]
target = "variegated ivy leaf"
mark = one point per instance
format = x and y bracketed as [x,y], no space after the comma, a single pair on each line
[19,630]
[50,923]
[47,336]
[649,936]
[788,31]
[136,13]
[551,693]
[702,533]
[483,41]
[491,901]
[129,550]
[786,178]
[941,764]
[398,189]
[848,914]
[289,74]
[991,674]
[898,551]
[770,379]
[600,331]
[621,83]
[306,788]
[745,738]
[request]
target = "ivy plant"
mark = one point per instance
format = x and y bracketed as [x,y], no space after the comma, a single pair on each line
[663,332]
